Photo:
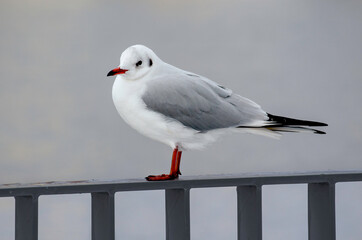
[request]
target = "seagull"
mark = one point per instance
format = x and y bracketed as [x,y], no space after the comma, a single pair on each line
[185,110]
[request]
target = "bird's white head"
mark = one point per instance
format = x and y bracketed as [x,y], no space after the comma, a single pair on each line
[136,61]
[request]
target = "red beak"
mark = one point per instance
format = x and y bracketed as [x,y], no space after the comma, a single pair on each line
[116,71]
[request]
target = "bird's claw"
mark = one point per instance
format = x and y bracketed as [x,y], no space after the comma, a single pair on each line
[162,177]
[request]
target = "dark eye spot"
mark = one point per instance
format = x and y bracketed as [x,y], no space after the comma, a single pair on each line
[151,62]
[139,63]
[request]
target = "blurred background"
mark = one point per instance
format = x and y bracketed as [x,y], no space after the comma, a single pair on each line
[301,59]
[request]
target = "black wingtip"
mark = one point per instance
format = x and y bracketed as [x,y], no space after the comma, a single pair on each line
[284,121]
[318,132]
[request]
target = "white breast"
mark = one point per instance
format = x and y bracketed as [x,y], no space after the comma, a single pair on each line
[127,99]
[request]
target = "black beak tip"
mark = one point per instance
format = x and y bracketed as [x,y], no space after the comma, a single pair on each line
[111,73]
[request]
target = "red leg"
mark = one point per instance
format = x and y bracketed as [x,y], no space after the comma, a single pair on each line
[178,161]
[174,172]
[173,162]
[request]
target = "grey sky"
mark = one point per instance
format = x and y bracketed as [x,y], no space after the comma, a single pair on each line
[300,59]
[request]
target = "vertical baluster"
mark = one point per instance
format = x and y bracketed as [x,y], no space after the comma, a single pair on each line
[177,214]
[103,216]
[249,212]
[321,211]
[26,218]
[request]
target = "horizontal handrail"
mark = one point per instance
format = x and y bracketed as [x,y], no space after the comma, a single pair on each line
[112,186]
[321,201]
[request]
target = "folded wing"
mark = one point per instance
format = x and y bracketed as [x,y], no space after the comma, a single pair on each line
[200,103]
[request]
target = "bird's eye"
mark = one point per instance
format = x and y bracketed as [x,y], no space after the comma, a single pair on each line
[139,63]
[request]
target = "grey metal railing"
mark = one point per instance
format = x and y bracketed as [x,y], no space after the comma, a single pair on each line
[321,202]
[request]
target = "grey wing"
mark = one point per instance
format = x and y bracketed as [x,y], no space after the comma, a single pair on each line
[199,103]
